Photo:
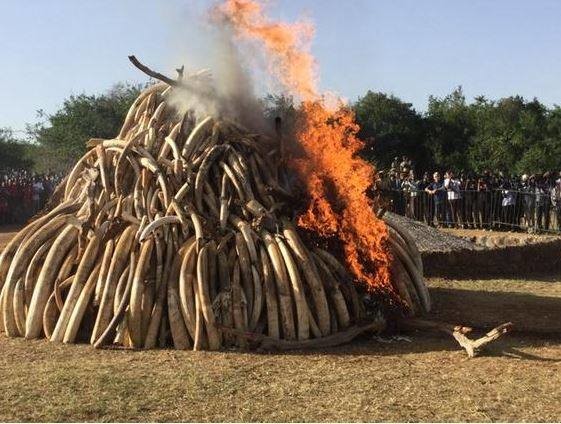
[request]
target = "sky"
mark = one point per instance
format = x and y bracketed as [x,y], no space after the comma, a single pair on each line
[50,49]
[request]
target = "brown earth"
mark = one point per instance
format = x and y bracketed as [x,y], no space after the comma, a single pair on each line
[426,379]
[532,303]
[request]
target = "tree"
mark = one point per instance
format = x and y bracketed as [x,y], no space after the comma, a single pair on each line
[507,131]
[544,154]
[390,127]
[450,128]
[61,136]
[14,152]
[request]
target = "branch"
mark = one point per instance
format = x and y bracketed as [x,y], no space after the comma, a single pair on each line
[270,343]
[152,73]
[180,72]
[472,347]
[204,92]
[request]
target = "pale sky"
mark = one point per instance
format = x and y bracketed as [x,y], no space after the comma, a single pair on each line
[50,49]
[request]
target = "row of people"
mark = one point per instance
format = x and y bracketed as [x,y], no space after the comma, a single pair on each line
[23,194]
[532,202]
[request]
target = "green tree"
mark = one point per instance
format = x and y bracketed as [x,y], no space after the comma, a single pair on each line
[14,153]
[390,127]
[544,153]
[507,131]
[61,137]
[450,128]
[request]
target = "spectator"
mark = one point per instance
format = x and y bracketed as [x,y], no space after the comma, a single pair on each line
[406,165]
[556,201]
[425,208]
[452,186]
[38,191]
[542,204]
[475,201]
[396,187]
[469,187]
[438,193]
[411,188]
[529,200]
[507,204]
[22,195]
[482,200]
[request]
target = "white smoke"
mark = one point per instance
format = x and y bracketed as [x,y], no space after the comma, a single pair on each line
[226,87]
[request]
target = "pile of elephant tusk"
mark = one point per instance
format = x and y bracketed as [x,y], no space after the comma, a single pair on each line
[407,269]
[172,234]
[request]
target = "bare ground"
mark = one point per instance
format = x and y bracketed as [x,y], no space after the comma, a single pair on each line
[427,379]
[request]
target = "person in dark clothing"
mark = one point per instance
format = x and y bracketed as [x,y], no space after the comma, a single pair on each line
[402,198]
[496,199]
[425,207]
[547,186]
[410,189]
[469,187]
[542,204]
[508,203]
[396,195]
[438,193]
[483,199]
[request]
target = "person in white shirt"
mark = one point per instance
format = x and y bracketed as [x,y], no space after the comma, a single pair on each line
[452,186]
[38,189]
[556,201]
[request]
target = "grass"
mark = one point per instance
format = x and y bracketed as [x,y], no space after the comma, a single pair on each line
[429,379]
[532,303]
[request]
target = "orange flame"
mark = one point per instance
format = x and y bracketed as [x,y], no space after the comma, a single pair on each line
[335,176]
[286,44]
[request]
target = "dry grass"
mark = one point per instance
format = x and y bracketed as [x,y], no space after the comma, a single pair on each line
[426,380]
[532,303]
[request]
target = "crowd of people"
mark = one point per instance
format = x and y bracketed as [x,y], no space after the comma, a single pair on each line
[23,194]
[488,200]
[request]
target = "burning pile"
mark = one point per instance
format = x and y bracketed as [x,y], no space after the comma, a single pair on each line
[179,232]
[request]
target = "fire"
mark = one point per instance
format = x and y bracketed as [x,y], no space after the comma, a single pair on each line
[336,178]
[286,44]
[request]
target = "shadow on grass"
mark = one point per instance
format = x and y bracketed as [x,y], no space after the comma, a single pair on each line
[532,315]
[507,262]
[420,343]
[536,319]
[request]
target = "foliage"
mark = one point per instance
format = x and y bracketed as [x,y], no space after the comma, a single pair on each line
[505,131]
[62,136]
[390,128]
[13,152]
[450,129]
[511,134]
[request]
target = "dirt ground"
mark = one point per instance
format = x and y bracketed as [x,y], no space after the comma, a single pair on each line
[424,378]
